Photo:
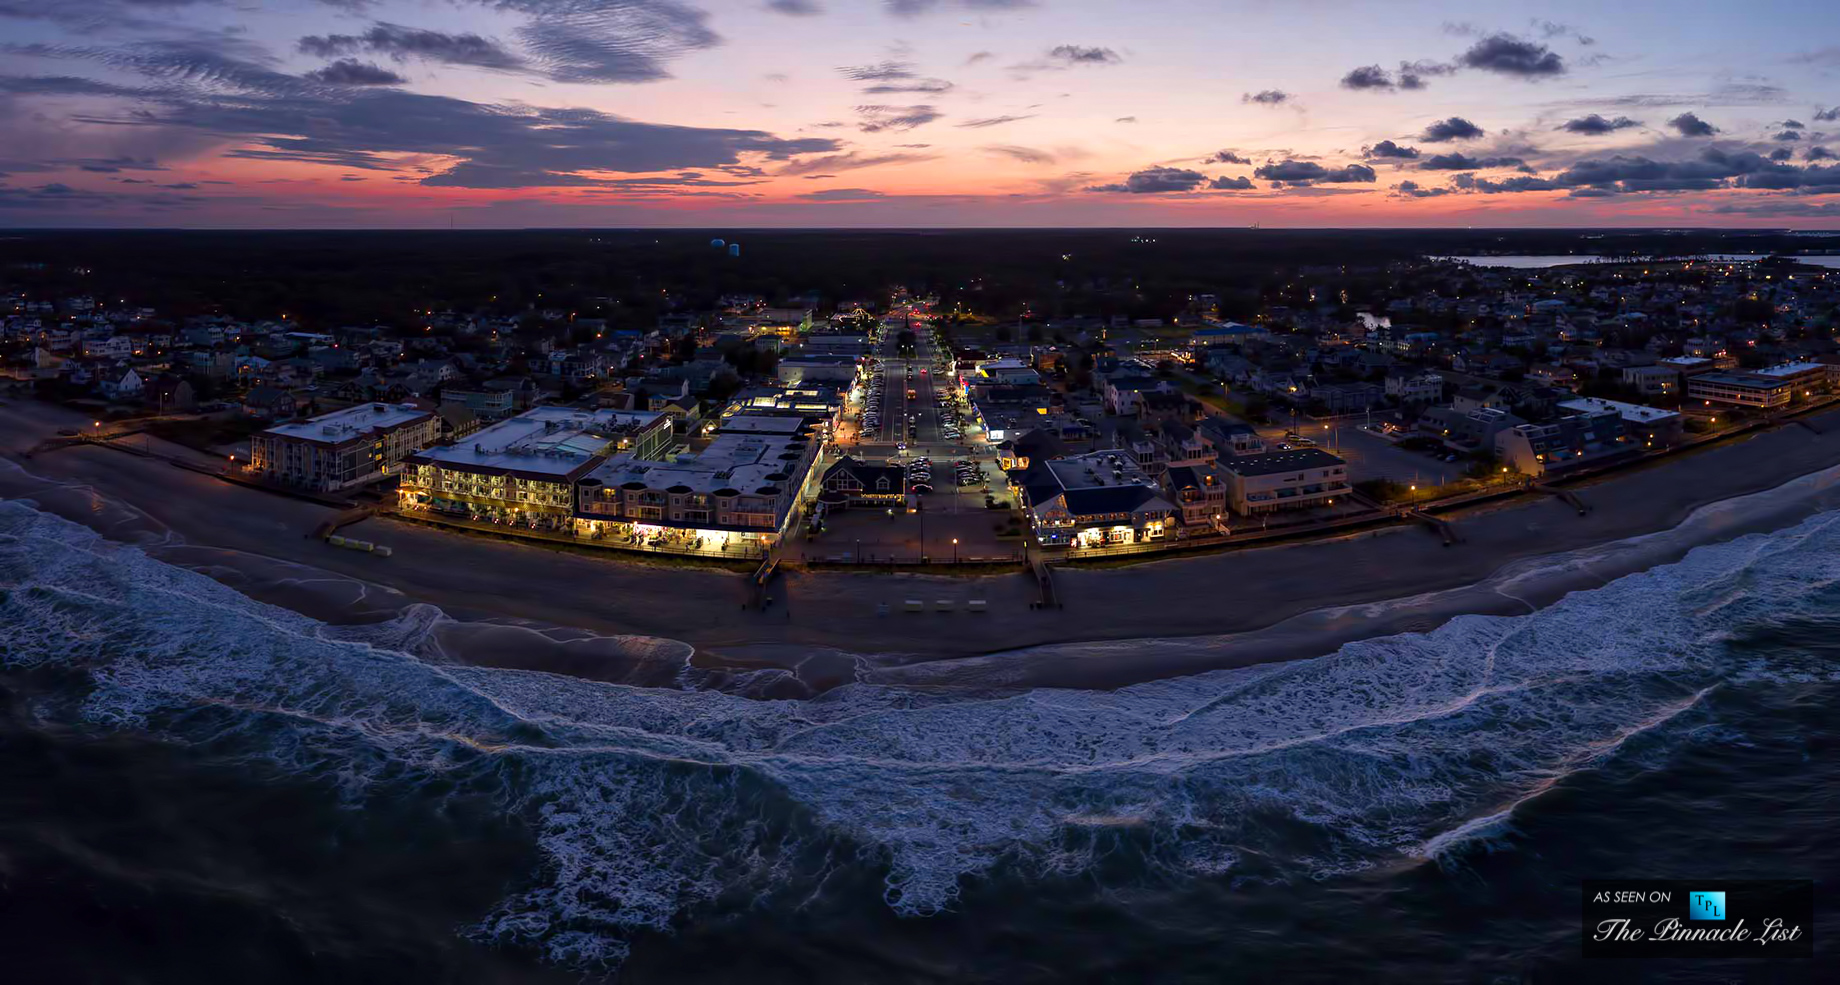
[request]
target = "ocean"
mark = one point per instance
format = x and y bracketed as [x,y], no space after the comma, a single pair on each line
[201,787]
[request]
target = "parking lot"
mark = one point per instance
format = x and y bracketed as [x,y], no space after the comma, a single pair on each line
[1369,455]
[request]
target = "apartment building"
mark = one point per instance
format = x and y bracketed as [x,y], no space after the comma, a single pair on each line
[522,471]
[1652,381]
[1652,427]
[342,449]
[1741,390]
[1284,480]
[1593,437]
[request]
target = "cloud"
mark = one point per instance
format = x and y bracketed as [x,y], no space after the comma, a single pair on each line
[564,40]
[887,71]
[980,56]
[1505,54]
[1412,189]
[351,72]
[1712,169]
[1368,77]
[843,195]
[1781,154]
[795,8]
[1390,150]
[1304,173]
[1787,135]
[1266,97]
[1596,125]
[851,161]
[1227,157]
[1156,181]
[1126,119]
[403,43]
[1689,125]
[916,8]
[876,118]
[1787,208]
[1226,184]
[992,121]
[1073,54]
[1462,162]
[1827,115]
[1027,155]
[931,87]
[1454,128]
[1818,154]
[1472,183]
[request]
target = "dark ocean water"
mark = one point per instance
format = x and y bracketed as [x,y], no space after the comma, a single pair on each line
[197,788]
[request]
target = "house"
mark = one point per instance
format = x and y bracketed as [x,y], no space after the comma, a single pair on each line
[1415,388]
[171,395]
[1296,479]
[850,482]
[1095,499]
[1200,495]
[1652,381]
[270,402]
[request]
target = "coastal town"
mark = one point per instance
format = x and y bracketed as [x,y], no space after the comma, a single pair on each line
[908,429]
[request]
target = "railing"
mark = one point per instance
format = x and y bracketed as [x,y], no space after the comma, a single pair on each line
[738,552]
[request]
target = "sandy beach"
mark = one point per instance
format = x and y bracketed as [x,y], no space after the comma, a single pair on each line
[1173,616]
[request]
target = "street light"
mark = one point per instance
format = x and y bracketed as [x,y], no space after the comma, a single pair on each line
[955,550]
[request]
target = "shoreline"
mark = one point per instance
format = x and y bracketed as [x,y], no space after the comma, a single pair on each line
[1178,615]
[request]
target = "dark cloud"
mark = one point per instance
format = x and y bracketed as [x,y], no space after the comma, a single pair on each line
[932,87]
[1472,183]
[1818,154]
[1689,125]
[1794,124]
[1781,154]
[1387,149]
[1412,189]
[1505,54]
[1226,184]
[1454,128]
[1368,77]
[1156,181]
[1463,162]
[351,72]
[795,8]
[1227,157]
[564,40]
[1787,135]
[403,43]
[1074,54]
[1815,179]
[1266,97]
[877,118]
[1827,115]
[1303,173]
[993,121]
[980,56]
[1787,208]
[1596,125]
[112,165]
[1126,119]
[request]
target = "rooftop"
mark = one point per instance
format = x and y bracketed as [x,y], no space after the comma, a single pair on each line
[745,463]
[343,425]
[1630,412]
[1790,369]
[546,440]
[1271,463]
[1099,469]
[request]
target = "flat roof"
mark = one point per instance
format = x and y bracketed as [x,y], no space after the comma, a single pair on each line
[742,462]
[1099,469]
[553,441]
[1630,412]
[344,425]
[1273,462]
[764,424]
[1789,369]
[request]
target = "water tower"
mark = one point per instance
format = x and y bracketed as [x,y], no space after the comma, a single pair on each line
[716,244]
[734,249]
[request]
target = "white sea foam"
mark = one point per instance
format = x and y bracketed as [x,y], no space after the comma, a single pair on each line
[648,803]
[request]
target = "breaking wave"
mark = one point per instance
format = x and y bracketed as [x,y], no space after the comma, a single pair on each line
[648,803]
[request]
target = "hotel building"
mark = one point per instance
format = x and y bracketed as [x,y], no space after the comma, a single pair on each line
[522,471]
[1284,480]
[343,449]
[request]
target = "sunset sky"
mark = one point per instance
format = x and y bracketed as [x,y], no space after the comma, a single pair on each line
[751,113]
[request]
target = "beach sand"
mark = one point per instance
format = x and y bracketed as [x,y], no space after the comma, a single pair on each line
[1119,624]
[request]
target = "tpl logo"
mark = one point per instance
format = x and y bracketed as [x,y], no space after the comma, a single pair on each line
[1706,906]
